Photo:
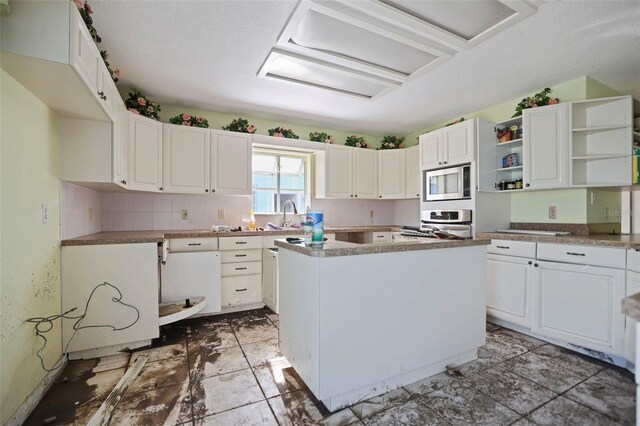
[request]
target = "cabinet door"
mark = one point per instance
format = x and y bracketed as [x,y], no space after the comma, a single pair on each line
[230,163]
[185,159]
[106,90]
[120,137]
[270,279]
[509,286]
[365,176]
[633,287]
[432,150]
[85,54]
[145,153]
[391,170]
[546,146]
[459,143]
[412,172]
[580,304]
[338,171]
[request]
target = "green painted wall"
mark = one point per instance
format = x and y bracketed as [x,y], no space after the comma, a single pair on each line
[29,250]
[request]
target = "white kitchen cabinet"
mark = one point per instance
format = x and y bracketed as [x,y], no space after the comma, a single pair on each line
[546,146]
[241,273]
[365,172]
[120,144]
[412,172]
[449,146]
[377,237]
[185,159]
[334,171]
[270,279]
[580,304]
[84,53]
[133,270]
[509,288]
[633,287]
[145,153]
[230,163]
[391,174]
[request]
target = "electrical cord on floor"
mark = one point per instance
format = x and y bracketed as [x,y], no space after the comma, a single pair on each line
[45,324]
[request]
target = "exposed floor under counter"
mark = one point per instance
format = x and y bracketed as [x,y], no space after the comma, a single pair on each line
[228,370]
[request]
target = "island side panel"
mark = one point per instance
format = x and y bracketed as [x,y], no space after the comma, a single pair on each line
[383,316]
[299,314]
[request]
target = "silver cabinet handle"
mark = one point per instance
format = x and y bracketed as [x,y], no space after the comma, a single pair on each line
[241,269]
[575,254]
[503,247]
[240,255]
[241,242]
[379,236]
[241,289]
[195,244]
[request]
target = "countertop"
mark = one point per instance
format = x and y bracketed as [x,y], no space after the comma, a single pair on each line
[606,240]
[631,306]
[339,248]
[133,237]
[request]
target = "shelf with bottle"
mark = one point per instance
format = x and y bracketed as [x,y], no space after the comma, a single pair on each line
[509,131]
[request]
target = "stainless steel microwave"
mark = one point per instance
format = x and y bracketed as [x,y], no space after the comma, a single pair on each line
[453,183]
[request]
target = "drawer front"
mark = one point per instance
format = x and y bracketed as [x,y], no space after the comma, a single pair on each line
[381,237]
[177,245]
[269,241]
[233,256]
[512,248]
[240,243]
[633,260]
[241,268]
[583,255]
[241,290]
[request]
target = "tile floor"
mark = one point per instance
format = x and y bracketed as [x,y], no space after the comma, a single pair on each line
[227,370]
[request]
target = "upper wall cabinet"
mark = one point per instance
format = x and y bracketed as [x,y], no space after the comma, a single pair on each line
[412,172]
[185,159]
[365,172]
[546,146]
[230,163]
[145,154]
[449,146]
[48,49]
[334,170]
[391,174]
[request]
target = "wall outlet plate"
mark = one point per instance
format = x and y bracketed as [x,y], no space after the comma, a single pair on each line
[220,214]
[553,212]
[44,213]
[185,214]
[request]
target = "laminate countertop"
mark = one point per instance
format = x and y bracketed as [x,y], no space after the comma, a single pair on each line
[340,248]
[133,237]
[606,240]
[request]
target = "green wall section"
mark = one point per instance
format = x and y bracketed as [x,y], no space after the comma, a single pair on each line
[30,250]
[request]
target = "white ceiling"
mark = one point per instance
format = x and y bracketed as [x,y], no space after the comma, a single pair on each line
[206,54]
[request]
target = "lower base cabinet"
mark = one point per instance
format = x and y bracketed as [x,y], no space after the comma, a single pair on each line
[510,282]
[241,290]
[633,287]
[580,304]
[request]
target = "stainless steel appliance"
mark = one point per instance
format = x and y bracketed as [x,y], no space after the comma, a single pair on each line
[453,183]
[443,223]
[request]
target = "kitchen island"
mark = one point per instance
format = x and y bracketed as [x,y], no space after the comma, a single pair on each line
[358,320]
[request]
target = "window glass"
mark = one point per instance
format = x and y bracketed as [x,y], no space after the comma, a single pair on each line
[277,178]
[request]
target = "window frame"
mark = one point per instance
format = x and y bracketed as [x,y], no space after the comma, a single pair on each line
[306,157]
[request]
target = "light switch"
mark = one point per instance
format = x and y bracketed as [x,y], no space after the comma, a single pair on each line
[220,214]
[553,212]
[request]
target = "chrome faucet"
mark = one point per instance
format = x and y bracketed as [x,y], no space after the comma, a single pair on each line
[284,211]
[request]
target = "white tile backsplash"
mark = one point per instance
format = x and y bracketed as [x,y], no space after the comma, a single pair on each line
[75,202]
[126,212]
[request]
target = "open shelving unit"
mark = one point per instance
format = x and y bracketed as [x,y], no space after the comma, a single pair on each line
[503,149]
[602,142]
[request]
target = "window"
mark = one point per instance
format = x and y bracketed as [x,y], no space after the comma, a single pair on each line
[277,178]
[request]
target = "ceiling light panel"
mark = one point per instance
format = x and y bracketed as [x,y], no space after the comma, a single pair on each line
[285,66]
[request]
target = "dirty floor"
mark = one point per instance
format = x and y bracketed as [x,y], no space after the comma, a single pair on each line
[227,370]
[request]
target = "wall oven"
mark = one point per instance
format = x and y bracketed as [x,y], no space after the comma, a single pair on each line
[453,183]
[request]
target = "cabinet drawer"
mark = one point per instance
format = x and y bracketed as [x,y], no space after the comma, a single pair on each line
[381,237]
[241,290]
[233,256]
[177,245]
[633,260]
[241,268]
[512,248]
[584,255]
[240,243]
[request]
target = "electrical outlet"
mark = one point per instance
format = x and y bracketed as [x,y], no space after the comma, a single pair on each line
[220,214]
[185,214]
[593,198]
[553,212]
[90,214]
[44,213]
[371,214]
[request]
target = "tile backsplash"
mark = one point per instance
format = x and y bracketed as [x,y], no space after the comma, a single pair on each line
[80,211]
[137,212]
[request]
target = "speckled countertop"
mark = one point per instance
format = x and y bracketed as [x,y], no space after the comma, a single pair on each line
[631,306]
[622,241]
[339,248]
[133,237]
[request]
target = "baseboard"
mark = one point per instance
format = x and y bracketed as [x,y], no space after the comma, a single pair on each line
[26,408]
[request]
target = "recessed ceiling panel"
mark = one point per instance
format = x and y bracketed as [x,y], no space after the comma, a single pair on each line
[466,19]
[325,33]
[295,69]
